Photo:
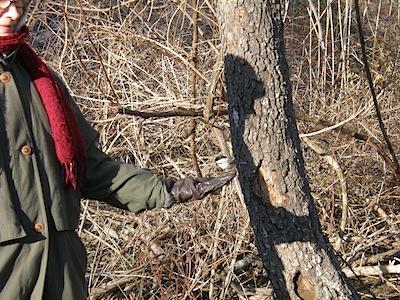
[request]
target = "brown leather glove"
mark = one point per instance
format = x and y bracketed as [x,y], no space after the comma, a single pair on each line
[188,188]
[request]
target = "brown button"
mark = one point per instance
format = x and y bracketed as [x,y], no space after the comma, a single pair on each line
[26,150]
[38,227]
[5,77]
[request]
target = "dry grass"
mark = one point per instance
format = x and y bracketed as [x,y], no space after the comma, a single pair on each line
[137,54]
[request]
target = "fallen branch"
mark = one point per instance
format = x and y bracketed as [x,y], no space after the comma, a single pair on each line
[371,271]
[179,112]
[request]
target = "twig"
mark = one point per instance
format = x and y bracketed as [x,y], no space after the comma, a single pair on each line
[211,89]
[374,259]
[335,165]
[374,242]
[380,211]
[372,271]
[218,225]
[352,133]
[84,205]
[74,42]
[193,60]
[174,53]
[263,294]
[241,294]
[179,112]
[98,55]
[372,88]
[98,293]
[200,31]
[335,126]
[193,151]
[229,271]
[147,238]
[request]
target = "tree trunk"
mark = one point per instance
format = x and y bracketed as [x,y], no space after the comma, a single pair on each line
[267,150]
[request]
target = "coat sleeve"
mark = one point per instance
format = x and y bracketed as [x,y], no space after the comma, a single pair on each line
[119,184]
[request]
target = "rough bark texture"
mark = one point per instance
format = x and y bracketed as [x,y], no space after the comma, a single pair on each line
[269,159]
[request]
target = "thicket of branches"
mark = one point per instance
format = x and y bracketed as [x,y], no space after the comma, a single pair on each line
[120,58]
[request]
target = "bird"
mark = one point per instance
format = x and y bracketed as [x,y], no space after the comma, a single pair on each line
[224,162]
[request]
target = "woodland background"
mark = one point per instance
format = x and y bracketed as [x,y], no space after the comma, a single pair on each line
[122,56]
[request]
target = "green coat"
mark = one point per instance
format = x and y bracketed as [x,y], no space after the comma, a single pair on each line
[41,256]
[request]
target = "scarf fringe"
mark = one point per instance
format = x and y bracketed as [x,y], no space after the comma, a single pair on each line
[70,178]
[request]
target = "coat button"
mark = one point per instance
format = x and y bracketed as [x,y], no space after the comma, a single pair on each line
[5,77]
[38,227]
[26,150]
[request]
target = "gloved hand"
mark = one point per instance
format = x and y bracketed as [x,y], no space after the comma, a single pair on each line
[188,188]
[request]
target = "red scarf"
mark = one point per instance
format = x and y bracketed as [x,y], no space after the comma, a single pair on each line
[68,141]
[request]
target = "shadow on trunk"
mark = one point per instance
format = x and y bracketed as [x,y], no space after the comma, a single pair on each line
[275,214]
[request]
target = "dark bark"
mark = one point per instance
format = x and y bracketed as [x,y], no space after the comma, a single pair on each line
[267,149]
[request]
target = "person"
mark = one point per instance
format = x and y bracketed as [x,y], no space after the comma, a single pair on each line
[49,159]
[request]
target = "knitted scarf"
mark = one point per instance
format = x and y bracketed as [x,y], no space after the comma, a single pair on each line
[68,141]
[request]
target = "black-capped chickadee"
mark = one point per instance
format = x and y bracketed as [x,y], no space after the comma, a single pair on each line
[224,162]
